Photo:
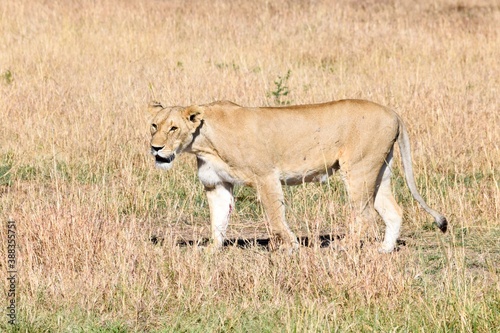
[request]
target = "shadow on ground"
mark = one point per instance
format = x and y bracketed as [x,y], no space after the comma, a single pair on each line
[323,241]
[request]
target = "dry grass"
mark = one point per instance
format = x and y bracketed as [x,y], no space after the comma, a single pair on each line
[76,177]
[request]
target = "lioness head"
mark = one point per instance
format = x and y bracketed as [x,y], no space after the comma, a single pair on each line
[172,130]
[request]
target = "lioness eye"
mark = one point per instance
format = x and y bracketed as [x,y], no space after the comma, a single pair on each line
[154,128]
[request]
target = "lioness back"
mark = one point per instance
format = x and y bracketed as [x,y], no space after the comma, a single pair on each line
[305,138]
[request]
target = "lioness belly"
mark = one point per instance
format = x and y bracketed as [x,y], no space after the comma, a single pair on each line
[307,176]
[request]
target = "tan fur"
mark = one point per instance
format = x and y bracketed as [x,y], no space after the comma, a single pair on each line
[266,147]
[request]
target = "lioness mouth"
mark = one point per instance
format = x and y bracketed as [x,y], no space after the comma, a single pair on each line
[168,159]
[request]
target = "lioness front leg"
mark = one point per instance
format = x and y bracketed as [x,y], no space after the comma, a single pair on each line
[221,203]
[271,197]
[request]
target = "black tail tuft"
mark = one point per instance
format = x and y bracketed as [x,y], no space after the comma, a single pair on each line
[442,224]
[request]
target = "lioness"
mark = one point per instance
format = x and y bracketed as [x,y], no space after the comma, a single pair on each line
[270,146]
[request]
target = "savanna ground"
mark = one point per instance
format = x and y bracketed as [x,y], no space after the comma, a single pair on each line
[77,179]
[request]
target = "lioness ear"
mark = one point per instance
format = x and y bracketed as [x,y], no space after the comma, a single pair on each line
[193,114]
[154,107]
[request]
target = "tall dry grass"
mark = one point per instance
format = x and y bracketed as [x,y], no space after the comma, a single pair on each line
[76,177]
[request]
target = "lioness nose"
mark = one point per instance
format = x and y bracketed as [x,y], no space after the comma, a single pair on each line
[156,148]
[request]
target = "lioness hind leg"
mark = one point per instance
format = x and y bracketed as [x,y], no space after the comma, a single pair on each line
[221,203]
[360,186]
[387,207]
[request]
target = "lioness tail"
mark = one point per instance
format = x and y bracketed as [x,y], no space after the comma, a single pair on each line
[404,148]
